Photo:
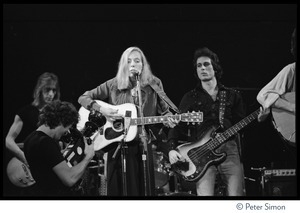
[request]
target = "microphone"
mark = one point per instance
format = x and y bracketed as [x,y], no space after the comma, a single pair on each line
[135,73]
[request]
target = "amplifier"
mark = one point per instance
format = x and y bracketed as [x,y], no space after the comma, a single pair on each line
[280,182]
[280,172]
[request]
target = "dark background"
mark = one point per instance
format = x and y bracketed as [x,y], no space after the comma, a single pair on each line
[82,44]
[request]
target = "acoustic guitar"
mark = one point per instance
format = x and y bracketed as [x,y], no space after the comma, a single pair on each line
[114,131]
[284,121]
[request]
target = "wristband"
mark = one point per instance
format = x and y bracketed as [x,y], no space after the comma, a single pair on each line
[90,106]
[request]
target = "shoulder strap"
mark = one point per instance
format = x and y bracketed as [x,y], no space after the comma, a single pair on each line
[222,107]
[163,96]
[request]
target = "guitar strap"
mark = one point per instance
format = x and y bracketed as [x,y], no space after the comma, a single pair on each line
[163,96]
[221,118]
[222,107]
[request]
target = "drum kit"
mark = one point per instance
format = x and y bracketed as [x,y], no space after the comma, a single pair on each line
[94,183]
[167,182]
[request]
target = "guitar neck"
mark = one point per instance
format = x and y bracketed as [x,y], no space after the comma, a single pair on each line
[194,117]
[221,138]
[153,119]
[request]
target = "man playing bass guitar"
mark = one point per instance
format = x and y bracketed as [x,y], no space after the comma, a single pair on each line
[221,107]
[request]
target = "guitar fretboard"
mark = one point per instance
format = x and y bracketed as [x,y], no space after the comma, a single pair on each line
[221,138]
[193,117]
[152,120]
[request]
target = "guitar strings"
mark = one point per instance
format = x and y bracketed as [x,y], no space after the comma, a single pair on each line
[211,145]
[207,147]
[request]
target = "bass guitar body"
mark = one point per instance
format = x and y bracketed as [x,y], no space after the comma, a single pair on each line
[197,162]
[19,174]
[198,156]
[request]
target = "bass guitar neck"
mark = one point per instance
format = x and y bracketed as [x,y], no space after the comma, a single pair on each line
[200,155]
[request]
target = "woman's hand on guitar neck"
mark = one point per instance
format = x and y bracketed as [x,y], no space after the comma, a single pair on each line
[171,122]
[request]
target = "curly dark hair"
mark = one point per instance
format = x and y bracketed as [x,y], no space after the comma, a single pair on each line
[204,51]
[58,113]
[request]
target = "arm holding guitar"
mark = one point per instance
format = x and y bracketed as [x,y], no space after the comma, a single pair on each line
[111,114]
[12,134]
[283,104]
[263,114]
[174,156]
[94,106]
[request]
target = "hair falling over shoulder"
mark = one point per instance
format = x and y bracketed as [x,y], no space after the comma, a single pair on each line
[123,74]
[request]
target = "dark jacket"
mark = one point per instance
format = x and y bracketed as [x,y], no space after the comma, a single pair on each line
[108,92]
[199,100]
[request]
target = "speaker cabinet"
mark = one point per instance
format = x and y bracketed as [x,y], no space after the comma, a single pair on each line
[281,186]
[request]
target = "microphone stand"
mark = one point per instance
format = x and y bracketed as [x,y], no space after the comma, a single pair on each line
[262,180]
[124,147]
[144,139]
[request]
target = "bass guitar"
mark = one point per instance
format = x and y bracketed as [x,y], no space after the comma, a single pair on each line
[285,121]
[200,155]
[19,173]
[114,131]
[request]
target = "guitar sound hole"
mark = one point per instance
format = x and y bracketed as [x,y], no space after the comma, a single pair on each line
[118,124]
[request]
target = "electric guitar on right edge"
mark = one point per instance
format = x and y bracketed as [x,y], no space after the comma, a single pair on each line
[285,121]
[199,155]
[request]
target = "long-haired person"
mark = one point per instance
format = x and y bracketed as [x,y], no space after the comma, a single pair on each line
[119,90]
[46,90]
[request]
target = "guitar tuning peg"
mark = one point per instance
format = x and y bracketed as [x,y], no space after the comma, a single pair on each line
[193,123]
